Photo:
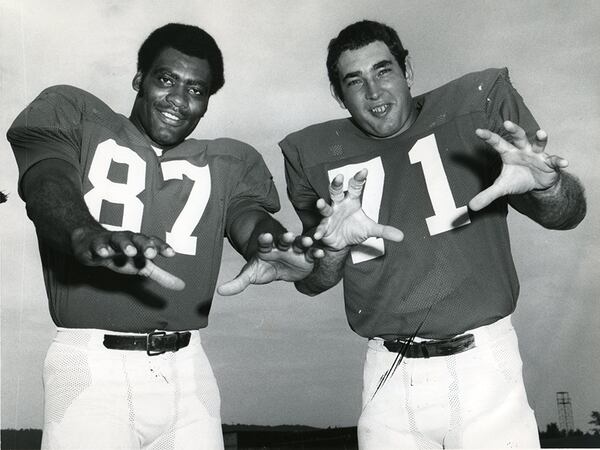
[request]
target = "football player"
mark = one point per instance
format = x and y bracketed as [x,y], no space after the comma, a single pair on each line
[130,217]
[443,368]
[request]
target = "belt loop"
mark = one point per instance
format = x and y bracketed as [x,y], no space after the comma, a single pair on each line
[424,350]
[177,340]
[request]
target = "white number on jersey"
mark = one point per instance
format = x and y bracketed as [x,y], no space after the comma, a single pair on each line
[447,215]
[180,237]
[120,193]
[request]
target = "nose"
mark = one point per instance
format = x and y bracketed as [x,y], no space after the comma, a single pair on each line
[177,97]
[372,89]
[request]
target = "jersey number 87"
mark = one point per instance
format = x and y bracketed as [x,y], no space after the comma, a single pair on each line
[180,236]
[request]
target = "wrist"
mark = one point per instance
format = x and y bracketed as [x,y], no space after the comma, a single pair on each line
[83,233]
[551,190]
[336,251]
[335,256]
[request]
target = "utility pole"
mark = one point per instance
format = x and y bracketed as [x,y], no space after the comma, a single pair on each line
[565,411]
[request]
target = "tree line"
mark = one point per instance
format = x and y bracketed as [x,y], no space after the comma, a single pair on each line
[553,431]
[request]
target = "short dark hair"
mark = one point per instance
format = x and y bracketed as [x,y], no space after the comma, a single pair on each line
[357,35]
[187,39]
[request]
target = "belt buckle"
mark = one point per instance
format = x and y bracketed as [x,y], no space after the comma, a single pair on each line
[149,351]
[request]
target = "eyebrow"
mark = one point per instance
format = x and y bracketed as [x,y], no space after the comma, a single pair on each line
[378,65]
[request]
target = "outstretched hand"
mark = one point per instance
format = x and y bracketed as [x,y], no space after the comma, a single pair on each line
[525,165]
[124,252]
[289,258]
[344,222]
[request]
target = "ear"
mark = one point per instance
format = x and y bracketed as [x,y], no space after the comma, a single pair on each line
[136,83]
[409,71]
[336,97]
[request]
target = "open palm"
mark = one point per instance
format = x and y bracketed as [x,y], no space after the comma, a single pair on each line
[525,165]
[344,222]
[289,258]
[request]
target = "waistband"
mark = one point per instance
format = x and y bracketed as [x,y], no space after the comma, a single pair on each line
[94,338]
[481,336]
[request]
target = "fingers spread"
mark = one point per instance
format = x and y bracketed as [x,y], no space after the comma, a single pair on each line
[362,174]
[265,243]
[321,230]
[285,241]
[166,250]
[499,144]
[540,141]
[102,251]
[386,232]
[483,133]
[160,247]
[519,138]
[235,286]
[324,209]
[100,248]
[336,188]
[556,162]
[302,244]
[357,183]
[146,246]
[162,277]
[485,197]
[317,253]
[392,233]
[122,242]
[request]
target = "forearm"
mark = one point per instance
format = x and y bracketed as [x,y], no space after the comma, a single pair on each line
[55,204]
[560,207]
[328,271]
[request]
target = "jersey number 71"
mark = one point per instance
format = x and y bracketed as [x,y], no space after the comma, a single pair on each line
[447,215]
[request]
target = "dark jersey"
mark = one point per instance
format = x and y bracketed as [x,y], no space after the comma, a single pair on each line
[454,267]
[188,197]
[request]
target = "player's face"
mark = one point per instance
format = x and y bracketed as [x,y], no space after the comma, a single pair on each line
[172,97]
[375,91]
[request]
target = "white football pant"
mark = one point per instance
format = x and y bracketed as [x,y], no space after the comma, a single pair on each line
[98,398]
[473,399]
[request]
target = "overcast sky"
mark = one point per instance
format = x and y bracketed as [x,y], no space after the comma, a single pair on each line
[280,357]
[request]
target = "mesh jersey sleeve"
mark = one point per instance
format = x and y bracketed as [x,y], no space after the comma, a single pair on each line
[505,103]
[50,127]
[300,192]
[254,190]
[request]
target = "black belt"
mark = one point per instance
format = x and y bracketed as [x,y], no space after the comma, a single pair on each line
[155,343]
[428,349]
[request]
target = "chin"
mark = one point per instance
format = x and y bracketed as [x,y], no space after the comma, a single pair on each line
[388,132]
[381,134]
[168,141]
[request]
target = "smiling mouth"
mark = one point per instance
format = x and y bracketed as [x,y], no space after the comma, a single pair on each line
[380,110]
[171,118]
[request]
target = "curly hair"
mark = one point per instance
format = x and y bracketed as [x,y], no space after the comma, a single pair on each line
[187,39]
